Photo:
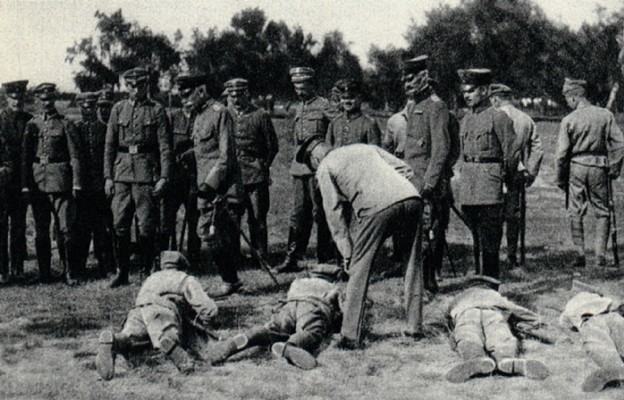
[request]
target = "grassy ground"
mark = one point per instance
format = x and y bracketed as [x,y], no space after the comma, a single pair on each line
[48,333]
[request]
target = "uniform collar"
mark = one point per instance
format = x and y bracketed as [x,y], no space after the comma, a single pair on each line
[244,111]
[51,115]
[310,100]
[481,107]
[353,116]
[425,94]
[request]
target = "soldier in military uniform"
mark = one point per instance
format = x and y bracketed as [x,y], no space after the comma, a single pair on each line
[427,151]
[52,179]
[104,104]
[528,168]
[490,154]
[256,148]
[219,182]
[183,173]
[137,159]
[313,115]
[13,121]
[93,208]
[352,125]
[589,151]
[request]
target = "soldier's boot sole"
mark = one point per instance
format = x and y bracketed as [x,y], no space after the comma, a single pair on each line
[471,368]
[597,380]
[295,355]
[180,358]
[531,369]
[105,359]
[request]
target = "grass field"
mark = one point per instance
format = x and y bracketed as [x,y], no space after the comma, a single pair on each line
[48,333]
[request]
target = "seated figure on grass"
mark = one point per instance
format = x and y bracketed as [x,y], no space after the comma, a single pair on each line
[298,329]
[169,301]
[481,319]
[601,326]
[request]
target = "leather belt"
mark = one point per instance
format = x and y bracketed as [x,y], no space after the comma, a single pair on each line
[49,160]
[483,160]
[137,149]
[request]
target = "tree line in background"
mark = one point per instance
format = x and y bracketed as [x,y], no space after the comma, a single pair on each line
[514,38]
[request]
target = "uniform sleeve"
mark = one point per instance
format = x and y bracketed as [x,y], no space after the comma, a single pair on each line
[218,174]
[440,144]
[399,165]
[615,146]
[75,149]
[112,141]
[562,154]
[387,141]
[333,205]
[271,138]
[373,134]
[7,167]
[28,153]
[205,308]
[535,153]
[163,131]
[503,126]
[329,137]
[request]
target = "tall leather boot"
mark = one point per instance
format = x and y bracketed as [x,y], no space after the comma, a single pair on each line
[513,233]
[72,261]
[146,254]
[291,262]
[576,228]
[122,248]
[430,282]
[44,254]
[600,244]
[221,351]
[491,264]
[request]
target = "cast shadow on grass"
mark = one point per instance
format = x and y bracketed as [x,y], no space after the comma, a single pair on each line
[62,326]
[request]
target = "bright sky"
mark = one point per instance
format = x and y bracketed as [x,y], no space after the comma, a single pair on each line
[36,33]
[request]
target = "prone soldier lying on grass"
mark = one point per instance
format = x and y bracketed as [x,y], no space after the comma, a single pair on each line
[297,330]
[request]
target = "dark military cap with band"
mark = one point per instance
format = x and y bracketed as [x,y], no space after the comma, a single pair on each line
[475,76]
[45,90]
[105,97]
[415,65]
[136,75]
[236,84]
[301,74]
[87,99]
[15,88]
[349,89]
[189,80]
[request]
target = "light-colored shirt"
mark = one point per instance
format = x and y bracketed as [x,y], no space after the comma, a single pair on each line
[365,178]
[395,135]
[526,132]
[582,306]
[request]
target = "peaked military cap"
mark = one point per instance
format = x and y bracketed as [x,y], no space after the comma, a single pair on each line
[136,75]
[86,99]
[475,76]
[416,64]
[328,271]
[189,80]
[349,88]
[484,280]
[499,88]
[15,88]
[236,84]
[574,86]
[170,259]
[301,74]
[45,90]
[105,97]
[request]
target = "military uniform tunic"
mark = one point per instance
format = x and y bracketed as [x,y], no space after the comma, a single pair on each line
[256,148]
[358,128]
[215,155]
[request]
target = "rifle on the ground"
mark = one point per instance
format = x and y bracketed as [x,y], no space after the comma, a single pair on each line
[614,243]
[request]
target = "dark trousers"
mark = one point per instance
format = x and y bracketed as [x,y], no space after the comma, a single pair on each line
[174,198]
[435,219]
[257,204]
[13,233]
[486,224]
[512,220]
[95,220]
[368,235]
[308,208]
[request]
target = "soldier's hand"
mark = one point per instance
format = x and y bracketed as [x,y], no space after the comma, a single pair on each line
[427,192]
[528,179]
[204,191]
[109,188]
[160,187]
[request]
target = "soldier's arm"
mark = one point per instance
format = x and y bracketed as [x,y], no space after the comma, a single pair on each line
[218,175]
[503,126]
[74,148]
[205,308]
[440,144]
[271,138]
[333,204]
[112,141]
[615,146]
[329,137]
[562,155]
[6,168]
[28,148]
[373,133]
[164,135]
[536,153]
[387,142]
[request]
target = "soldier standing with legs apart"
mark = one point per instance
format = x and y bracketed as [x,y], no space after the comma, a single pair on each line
[52,179]
[530,160]
[13,121]
[137,159]
[312,118]
[256,148]
[490,154]
[589,152]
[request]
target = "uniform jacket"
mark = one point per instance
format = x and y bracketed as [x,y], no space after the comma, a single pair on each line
[526,133]
[51,156]
[215,152]
[315,289]
[93,138]
[490,154]
[178,291]
[427,141]
[138,148]
[363,179]
[12,127]
[358,128]
[182,144]
[312,117]
[590,136]
[256,143]
[394,138]
[584,306]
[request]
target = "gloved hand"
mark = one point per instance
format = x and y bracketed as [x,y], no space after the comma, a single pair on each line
[160,187]
[204,191]
[109,188]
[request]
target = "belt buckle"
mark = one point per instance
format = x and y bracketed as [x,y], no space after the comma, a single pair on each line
[133,149]
[44,160]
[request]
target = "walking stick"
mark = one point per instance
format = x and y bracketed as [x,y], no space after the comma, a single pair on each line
[522,224]
[614,244]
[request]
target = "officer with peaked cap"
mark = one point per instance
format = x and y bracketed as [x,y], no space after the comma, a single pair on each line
[137,160]
[13,121]
[531,154]
[104,104]
[256,148]
[167,299]
[427,150]
[312,117]
[219,182]
[52,179]
[93,208]
[589,152]
[490,154]
[352,125]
